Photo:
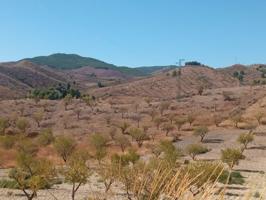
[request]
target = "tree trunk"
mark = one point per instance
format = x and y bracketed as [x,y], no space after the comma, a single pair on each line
[73,192]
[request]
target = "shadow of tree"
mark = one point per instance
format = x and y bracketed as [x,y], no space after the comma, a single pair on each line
[213,141]
[258,147]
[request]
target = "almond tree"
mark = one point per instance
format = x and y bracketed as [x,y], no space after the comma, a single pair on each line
[191,118]
[201,132]
[38,116]
[171,153]
[112,132]
[108,173]
[164,106]
[77,111]
[137,118]
[123,127]
[217,120]
[4,124]
[148,101]
[76,172]
[108,119]
[245,139]
[236,120]
[146,128]
[231,157]
[99,142]
[196,149]
[67,100]
[23,125]
[153,113]
[89,101]
[122,141]
[138,135]
[179,122]
[158,121]
[136,106]
[46,137]
[259,117]
[32,174]
[65,146]
[21,110]
[171,117]
[123,111]
[167,127]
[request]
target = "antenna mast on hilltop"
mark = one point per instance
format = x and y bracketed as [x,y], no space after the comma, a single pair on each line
[179,78]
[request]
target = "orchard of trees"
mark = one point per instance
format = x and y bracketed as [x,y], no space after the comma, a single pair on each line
[116,156]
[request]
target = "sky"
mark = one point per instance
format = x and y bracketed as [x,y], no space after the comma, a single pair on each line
[136,32]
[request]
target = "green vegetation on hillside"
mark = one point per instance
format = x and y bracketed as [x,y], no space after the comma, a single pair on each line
[54,93]
[74,61]
[69,61]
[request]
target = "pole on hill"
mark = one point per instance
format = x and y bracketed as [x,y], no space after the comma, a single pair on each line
[179,78]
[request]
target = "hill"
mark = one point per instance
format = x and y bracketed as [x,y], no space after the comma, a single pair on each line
[164,85]
[88,74]
[17,78]
[74,61]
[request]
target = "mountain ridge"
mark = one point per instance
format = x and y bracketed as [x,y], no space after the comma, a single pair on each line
[19,77]
[65,61]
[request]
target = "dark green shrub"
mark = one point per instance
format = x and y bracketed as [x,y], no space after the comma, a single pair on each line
[10,184]
[235,178]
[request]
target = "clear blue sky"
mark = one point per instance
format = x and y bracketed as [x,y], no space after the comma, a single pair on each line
[136,32]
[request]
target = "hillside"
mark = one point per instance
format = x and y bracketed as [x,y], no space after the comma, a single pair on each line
[163,85]
[17,78]
[251,74]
